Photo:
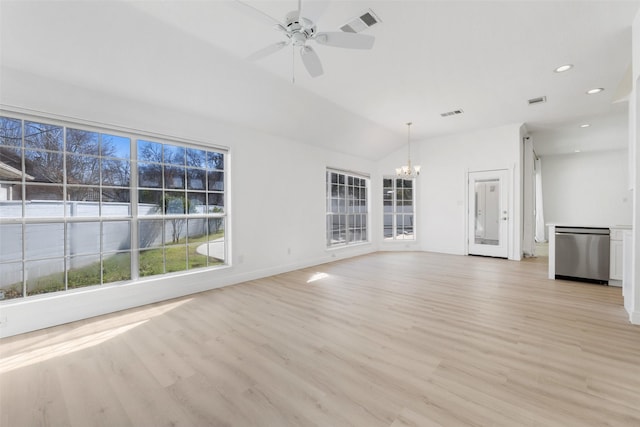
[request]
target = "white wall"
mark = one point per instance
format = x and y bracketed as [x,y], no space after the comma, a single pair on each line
[267,173]
[446,161]
[586,188]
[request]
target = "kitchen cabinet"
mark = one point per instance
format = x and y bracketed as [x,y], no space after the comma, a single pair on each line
[616,256]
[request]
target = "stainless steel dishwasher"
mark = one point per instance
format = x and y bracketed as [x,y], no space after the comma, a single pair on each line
[582,253]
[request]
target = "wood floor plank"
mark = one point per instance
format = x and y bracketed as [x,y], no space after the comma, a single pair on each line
[386,339]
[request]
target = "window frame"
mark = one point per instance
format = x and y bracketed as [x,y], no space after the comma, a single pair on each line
[395,212]
[353,215]
[99,217]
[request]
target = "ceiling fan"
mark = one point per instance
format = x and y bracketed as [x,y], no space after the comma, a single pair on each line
[299,28]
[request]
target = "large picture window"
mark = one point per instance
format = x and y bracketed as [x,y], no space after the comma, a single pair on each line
[347,208]
[398,200]
[82,207]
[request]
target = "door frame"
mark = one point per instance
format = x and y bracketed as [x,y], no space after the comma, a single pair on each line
[508,183]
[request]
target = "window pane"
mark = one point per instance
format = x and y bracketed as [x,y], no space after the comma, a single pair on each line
[12,206]
[115,202]
[175,231]
[116,267]
[10,132]
[174,177]
[83,169]
[197,203]
[215,181]
[150,233]
[115,146]
[151,262]
[10,280]
[215,161]
[12,170]
[116,236]
[82,142]
[83,271]
[388,226]
[83,238]
[174,155]
[196,179]
[10,242]
[198,244]
[150,202]
[174,203]
[196,158]
[43,137]
[43,167]
[149,151]
[44,241]
[116,172]
[149,175]
[176,258]
[215,202]
[216,245]
[85,194]
[44,201]
[44,276]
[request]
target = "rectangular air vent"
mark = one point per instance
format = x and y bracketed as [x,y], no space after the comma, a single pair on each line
[365,20]
[538,100]
[452,113]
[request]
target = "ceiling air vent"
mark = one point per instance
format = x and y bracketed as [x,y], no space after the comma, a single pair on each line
[452,113]
[365,20]
[538,100]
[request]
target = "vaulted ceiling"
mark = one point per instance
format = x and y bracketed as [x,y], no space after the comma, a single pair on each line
[484,57]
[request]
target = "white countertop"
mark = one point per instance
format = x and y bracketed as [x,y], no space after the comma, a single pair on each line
[617,226]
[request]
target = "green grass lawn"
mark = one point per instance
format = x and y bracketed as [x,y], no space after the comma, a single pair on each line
[117,267]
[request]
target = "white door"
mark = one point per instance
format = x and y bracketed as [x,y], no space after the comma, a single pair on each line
[489,213]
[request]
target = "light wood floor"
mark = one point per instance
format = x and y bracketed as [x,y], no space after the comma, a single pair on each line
[388,339]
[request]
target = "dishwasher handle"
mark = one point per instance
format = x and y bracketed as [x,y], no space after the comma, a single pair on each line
[567,230]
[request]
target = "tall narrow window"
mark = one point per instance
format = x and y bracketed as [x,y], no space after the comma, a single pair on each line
[347,208]
[398,200]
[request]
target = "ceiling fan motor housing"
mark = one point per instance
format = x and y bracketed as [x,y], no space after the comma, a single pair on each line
[299,29]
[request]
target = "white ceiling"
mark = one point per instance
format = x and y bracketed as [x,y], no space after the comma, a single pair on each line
[485,57]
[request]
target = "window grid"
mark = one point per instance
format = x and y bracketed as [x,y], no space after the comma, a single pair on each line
[398,205]
[68,218]
[347,209]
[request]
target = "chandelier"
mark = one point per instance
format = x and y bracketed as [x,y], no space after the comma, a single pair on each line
[407,170]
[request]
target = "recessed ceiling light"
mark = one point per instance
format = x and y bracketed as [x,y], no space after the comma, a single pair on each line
[576,151]
[563,68]
[594,91]
[586,125]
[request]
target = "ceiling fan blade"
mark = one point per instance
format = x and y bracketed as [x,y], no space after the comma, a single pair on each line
[347,40]
[311,61]
[255,13]
[264,52]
